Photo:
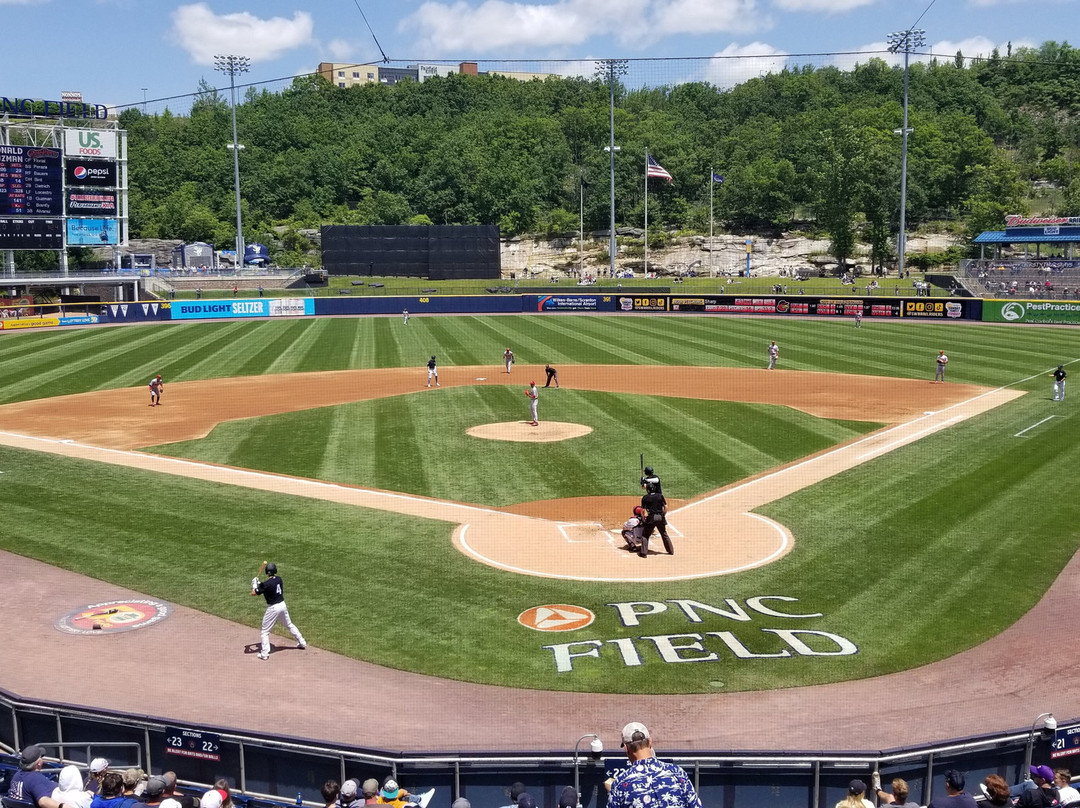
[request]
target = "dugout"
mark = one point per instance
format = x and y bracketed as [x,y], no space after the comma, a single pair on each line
[438,252]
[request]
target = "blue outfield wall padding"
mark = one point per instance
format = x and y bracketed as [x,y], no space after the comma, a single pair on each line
[451,304]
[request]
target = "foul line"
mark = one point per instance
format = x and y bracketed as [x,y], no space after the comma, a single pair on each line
[1043,421]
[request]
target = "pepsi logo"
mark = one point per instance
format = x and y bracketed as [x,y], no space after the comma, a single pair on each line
[80,172]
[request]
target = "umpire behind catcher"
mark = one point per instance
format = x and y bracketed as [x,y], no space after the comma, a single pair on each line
[655,503]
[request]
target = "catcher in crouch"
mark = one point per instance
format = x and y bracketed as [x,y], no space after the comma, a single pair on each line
[633,528]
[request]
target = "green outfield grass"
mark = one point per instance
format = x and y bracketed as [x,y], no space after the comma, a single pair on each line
[911,557]
[715,443]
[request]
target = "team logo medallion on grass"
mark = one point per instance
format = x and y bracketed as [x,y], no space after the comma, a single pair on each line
[556,617]
[113,616]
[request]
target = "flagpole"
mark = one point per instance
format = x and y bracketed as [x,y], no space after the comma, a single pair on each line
[712,182]
[646,212]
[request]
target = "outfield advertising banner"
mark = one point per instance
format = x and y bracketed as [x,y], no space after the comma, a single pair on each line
[929,308]
[291,307]
[635,303]
[575,303]
[212,309]
[1032,311]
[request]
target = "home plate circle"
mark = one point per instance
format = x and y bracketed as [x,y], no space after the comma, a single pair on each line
[556,617]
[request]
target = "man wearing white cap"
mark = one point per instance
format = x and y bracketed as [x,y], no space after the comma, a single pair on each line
[98,768]
[648,781]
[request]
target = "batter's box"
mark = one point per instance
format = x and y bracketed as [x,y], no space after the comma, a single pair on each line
[584,533]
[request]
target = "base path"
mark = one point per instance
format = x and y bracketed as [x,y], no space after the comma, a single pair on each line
[714,535]
[985,689]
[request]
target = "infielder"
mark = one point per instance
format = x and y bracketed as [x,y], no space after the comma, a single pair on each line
[942,361]
[432,372]
[774,354]
[533,395]
[1059,383]
[276,610]
[508,359]
[157,387]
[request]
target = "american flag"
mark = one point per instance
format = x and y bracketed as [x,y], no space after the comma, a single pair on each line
[717,178]
[654,169]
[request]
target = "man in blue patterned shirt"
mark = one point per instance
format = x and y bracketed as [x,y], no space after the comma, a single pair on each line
[649,782]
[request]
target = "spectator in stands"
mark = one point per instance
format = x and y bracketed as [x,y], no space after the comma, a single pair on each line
[955,796]
[69,790]
[350,796]
[154,792]
[222,785]
[134,782]
[526,800]
[185,800]
[569,798]
[856,796]
[647,780]
[899,796]
[1067,795]
[461,802]
[370,790]
[98,769]
[393,794]
[111,793]
[330,791]
[28,784]
[516,790]
[1045,793]
[996,791]
[215,798]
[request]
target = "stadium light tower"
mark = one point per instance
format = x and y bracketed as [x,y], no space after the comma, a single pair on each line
[904,42]
[610,69]
[233,66]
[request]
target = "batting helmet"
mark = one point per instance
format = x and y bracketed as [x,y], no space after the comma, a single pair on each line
[639,511]
[271,568]
[648,470]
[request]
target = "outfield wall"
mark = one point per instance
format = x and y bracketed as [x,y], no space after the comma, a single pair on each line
[872,308]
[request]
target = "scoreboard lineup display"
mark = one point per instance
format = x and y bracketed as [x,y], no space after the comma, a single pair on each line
[31,181]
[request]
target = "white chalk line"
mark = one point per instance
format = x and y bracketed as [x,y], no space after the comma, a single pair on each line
[1040,423]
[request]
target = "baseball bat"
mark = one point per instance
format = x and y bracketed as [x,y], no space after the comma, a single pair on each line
[102,614]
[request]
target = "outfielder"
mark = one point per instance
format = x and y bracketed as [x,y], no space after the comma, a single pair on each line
[508,359]
[774,354]
[432,372]
[276,610]
[405,316]
[1059,383]
[157,387]
[533,397]
[939,371]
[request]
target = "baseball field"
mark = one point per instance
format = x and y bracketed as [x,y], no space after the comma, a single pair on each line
[838,518]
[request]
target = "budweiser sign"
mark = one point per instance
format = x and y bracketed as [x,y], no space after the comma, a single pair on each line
[1015,220]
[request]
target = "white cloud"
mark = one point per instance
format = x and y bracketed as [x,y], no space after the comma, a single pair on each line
[696,17]
[203,34]
[739,63]
[828,6]
[339,49]
[457,26]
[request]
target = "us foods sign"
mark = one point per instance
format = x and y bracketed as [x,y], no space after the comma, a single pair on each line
[100,143]
[776,639]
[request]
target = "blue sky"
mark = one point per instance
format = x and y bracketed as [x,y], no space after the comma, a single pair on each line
[120,51]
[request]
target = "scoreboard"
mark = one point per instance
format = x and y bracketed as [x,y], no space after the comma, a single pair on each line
[31,181]
[31,234]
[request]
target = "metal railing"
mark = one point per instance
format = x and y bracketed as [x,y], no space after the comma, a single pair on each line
[272,768]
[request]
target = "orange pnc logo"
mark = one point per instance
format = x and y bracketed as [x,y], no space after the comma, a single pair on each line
[556,617]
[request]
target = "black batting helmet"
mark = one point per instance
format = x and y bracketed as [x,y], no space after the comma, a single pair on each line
[271,568]
[648,470]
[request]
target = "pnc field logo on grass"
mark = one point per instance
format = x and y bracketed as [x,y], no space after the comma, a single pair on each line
[556,617]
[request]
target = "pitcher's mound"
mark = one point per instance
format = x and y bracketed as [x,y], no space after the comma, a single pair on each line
[525,432]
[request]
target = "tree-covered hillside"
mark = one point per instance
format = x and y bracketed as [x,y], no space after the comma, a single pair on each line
[811,144]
